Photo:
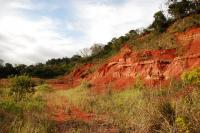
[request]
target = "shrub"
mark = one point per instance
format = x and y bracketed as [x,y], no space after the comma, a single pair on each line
[182,125]
[192,77]
[21,85]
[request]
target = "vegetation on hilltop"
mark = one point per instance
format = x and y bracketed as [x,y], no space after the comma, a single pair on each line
[159,35]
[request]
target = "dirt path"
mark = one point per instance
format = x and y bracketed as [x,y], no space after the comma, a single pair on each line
[69,119]
[62,111]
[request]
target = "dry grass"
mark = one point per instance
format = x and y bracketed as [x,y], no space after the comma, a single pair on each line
[136,109]
[142,110]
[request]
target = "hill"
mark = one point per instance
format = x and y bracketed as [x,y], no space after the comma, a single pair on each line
[153,64]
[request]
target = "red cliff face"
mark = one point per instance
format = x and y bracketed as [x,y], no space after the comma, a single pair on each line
[152,66]
[124,68]
[190,40]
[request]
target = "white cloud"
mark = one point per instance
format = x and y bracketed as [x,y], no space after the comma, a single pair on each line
[23,38]
[100,22]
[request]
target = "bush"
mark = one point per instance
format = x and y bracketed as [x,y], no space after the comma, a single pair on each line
[21,85]
[192,77]
[182,125]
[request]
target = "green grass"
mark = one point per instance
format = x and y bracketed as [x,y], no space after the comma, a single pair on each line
[185,23]
[165,40]
[154,40]
[121,108]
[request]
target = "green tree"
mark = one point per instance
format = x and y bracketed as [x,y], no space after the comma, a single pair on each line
[8,65]
[160,22]
[179,9]
[20,68]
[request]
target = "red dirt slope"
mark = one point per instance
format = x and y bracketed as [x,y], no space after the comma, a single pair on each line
[152,66]
[190,40]
[128,65]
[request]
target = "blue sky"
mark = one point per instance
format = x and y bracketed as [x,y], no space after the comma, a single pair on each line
[34,31]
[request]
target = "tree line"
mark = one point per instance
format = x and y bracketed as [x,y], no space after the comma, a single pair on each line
[51,68]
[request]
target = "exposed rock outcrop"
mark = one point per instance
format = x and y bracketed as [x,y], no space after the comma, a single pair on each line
[190,40]
[124,68]
[152,66]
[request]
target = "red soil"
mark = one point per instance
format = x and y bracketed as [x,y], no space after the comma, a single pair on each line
[152,66]
[60,113]
[190,40]
[63,114]
[123,69]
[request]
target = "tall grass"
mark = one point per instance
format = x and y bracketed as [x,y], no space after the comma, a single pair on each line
[137,109]
[25,116]
[142,109]
[187,22]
